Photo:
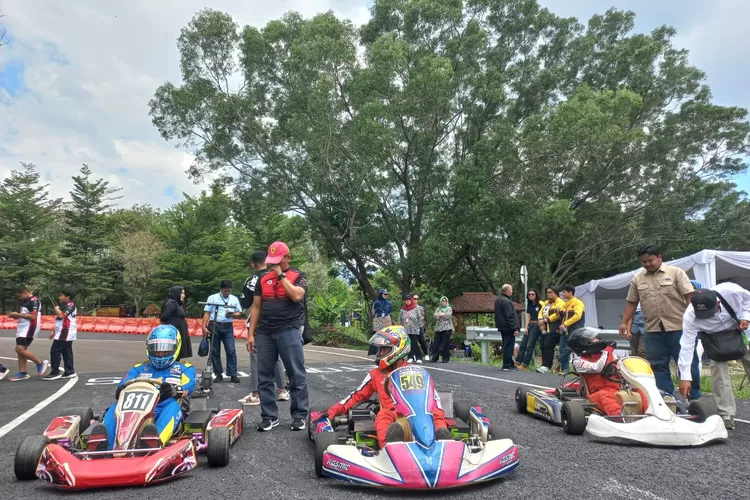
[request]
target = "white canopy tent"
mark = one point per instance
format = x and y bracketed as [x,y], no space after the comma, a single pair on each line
[605,299]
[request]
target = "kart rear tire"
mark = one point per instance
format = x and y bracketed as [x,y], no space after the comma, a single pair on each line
[496,433]
[85,414]
[322,442]
[522,400]
[703,408]
[230,405]
[573,418]
[217,450]
[318,409]
[462,409]
[27,456]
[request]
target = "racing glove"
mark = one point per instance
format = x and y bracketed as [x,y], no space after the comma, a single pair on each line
[167,391]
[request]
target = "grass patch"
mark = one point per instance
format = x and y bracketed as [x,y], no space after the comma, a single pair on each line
[348,338]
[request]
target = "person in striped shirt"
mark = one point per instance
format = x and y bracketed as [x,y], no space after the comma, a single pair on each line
[63,336]
[29,318]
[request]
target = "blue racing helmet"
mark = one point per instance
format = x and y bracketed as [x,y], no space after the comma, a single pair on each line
[162,346]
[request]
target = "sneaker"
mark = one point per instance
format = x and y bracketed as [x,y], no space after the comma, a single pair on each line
[218,378]
[728,421]
[542,369]
[19,376]
[3,373]
[149,438]
[298,424]
[510,369]
[250,400]
[69,375]
[410,361]
[419,361]
[284,395]
[267,424]
[53,376]
[235,379]
[41,368]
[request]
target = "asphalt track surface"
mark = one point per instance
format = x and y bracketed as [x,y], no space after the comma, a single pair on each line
[279,464]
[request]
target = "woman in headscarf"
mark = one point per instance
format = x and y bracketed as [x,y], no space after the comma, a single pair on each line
[173,313]
[381,316]
[410,318]
[443,331]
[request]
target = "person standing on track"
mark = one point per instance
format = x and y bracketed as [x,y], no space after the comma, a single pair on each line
[223,308]
[275,328]
[506,324]
[29,318]
[62,338]
[258,264]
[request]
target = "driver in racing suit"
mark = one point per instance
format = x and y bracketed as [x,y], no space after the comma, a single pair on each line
[162,347]
[590,358]
[393,347]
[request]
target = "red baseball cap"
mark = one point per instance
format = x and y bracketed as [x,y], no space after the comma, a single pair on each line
[276,252]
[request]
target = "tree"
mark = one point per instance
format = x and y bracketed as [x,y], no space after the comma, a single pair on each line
[139,254]
[26,217]
[447,143]
[88,262]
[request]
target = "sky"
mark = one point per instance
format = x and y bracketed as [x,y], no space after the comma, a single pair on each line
[76,77]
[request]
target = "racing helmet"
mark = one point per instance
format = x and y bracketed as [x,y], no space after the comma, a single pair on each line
[162,346]
[392,343]
[583,341]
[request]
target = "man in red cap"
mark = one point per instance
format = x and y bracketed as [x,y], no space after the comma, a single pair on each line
[275,329]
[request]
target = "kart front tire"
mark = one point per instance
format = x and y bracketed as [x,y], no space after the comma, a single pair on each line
[496,433]
[522,400]
[27,456]
[217,450]
[322,442]
[703,408]
[573,418]
[85,414]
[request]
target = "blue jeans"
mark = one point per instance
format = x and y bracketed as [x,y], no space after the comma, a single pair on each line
[168,416]
[224,333]
[660,348]
[287,345]
[564,356]
[534,336]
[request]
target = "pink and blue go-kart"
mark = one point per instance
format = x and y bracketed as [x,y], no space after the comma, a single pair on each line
[478,451]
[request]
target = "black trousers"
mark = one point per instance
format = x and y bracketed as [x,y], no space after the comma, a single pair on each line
[549,342]
[61,349]
[442,342]
[416,351]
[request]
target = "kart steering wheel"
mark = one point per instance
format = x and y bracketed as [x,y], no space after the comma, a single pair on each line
[611,373]
[153,381]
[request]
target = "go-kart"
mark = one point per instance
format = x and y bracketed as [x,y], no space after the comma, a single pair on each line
[666,422]
[69,456]
[478,451]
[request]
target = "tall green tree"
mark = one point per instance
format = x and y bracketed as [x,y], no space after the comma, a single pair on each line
[89,264]
[27,214]
[447,143]
[139,254]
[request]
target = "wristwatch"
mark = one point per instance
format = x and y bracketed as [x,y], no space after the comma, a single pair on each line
[282,275]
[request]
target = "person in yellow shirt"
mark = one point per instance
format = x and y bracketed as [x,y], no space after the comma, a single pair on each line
[550,320]
[573,318]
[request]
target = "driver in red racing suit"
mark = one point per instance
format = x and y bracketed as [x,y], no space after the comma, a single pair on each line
[393,347]
[590,358]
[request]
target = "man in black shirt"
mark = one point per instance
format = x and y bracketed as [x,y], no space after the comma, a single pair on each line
[258,265]
[277,316]
[506,324]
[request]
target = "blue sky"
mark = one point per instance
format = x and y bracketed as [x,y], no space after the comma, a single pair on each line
[76,77]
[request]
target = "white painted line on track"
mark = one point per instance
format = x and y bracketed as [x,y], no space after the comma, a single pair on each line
[475,375]
[39,407]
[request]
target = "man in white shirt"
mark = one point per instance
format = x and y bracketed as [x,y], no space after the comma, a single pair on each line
[707,314]
[219,314]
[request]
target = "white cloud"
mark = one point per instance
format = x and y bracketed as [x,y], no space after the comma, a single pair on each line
[90,68]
